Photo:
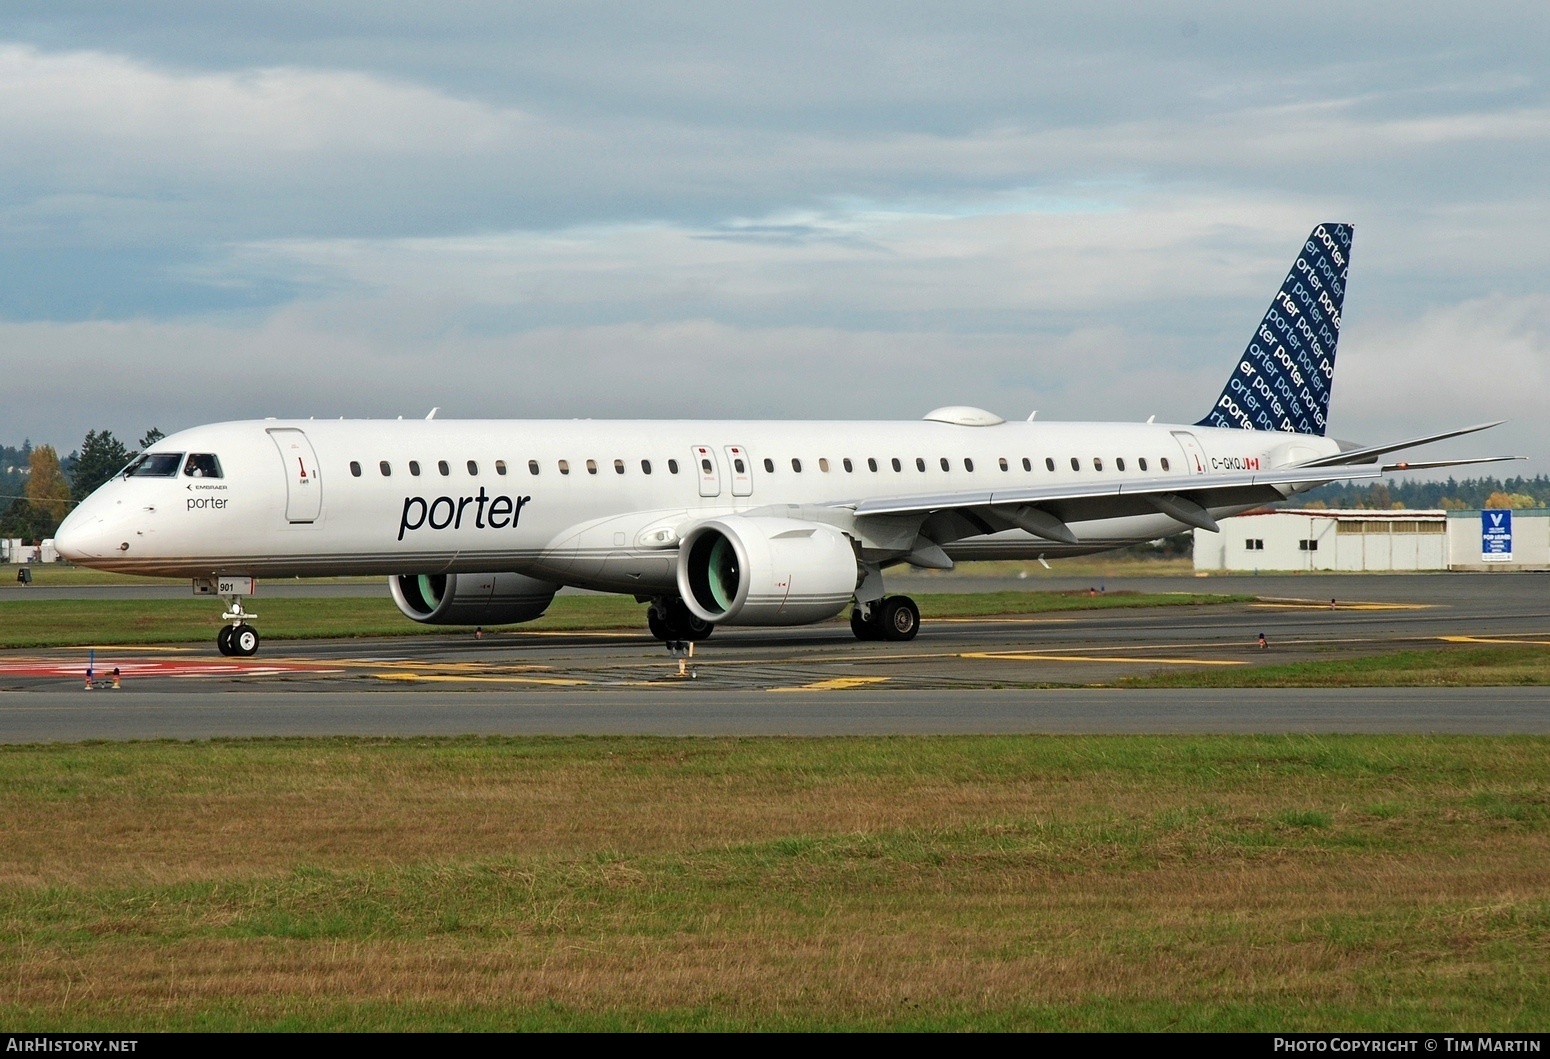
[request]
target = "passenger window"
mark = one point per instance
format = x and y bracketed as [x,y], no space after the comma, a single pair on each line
[414,468]
[823,464]
[1027,464]
[897,465]
[945,465]
[591,466]
[1119,463]
[1164,462]
[672,466]
[441,465]
[1002,461]
[500,467]
[920,464]
[355,469]
[1049,462]
[473,469]
[849,467]
[769,465]
[564,466]
[202,465]
[1141,463]
[871,463]
[796,465]
[1076,465]
[1097,463]
[645,466]
[968,464]
[739,465]
[705,466]
[532,466]
[387,471]
[618,466]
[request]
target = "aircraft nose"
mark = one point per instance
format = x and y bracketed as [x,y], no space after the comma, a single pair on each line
[81,536]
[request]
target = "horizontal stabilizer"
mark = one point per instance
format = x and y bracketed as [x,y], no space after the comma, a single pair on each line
[1429,464]
[1366,455]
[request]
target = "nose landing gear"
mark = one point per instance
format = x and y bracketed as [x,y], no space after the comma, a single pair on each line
[239,638]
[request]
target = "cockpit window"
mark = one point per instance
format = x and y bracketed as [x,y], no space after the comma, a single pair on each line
[202,465]
[154,465]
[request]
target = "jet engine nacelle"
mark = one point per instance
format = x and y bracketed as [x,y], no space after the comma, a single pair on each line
[471,599]
[743,570]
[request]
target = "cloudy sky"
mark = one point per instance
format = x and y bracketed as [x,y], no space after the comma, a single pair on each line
[216,211]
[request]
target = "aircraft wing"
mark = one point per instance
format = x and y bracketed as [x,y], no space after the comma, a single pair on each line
[1047,511]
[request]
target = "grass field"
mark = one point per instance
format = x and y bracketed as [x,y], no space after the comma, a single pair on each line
[1460,665]
[65,623]
[1343,883]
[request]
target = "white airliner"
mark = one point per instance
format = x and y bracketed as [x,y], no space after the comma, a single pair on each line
[720,522]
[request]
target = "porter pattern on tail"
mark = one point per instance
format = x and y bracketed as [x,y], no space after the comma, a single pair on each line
[1283,381]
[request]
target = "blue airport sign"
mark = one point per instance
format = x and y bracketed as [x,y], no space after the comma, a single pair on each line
[1496,536]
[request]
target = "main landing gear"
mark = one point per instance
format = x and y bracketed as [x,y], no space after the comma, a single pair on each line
[239,638]
[670,620]
[893,618]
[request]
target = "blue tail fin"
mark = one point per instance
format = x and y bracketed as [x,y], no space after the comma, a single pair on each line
[1284,379]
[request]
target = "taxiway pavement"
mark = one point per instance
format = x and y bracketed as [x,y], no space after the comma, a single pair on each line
[991,675]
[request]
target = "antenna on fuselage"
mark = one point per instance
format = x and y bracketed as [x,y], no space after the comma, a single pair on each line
[1032,414]
[433,412]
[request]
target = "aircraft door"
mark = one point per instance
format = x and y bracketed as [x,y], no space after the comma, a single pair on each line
[1193,453]
[742,470]
[705,467]
[303,486]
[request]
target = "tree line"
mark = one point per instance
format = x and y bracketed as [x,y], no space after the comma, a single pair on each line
[1452,495]
[39,489]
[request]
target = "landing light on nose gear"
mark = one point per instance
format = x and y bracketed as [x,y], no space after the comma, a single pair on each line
[238,637]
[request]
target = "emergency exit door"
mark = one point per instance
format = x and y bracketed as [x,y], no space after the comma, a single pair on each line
[710,474]
[742,470]
[303,486]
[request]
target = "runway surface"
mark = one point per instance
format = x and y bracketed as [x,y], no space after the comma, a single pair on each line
[973,675]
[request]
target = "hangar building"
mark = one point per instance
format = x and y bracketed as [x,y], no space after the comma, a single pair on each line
[1366,540]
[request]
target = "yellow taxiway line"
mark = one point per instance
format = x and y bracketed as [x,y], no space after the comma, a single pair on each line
[1030,656]
[449,667]
[835,684]
[1482,639]
[433,678]
[1313,604]
[991,620]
